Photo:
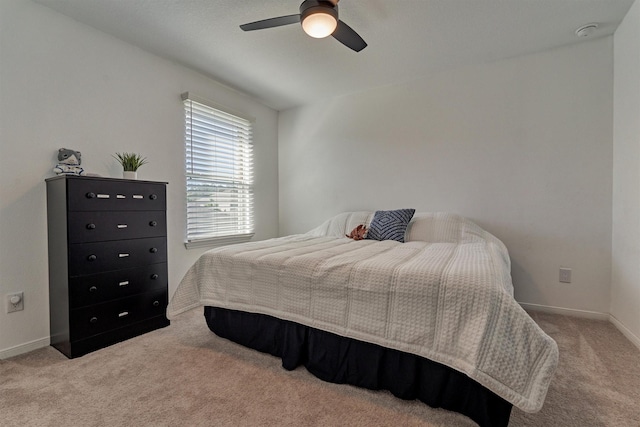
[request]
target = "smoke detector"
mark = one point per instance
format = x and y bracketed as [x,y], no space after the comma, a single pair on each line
[586,30]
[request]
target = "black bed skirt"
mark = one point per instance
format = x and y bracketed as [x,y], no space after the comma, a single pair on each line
[337,359]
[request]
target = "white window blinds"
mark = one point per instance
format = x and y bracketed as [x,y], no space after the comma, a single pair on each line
[219,175]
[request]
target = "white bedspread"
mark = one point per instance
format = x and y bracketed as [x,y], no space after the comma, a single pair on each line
[447,297]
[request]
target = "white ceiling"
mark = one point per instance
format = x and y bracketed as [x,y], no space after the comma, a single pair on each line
[283,67]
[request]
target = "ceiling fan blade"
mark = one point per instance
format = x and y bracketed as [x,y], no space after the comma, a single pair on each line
[271,22]
[348,37]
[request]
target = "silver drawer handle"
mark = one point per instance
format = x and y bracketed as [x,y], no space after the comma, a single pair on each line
[123,314]
[123,255]
[103,196]
[122,225]
[138,196]
[125,283]
[121,196]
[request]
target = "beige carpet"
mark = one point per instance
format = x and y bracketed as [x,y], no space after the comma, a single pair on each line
[184,375]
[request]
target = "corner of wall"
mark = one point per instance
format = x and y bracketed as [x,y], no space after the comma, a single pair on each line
[625,236]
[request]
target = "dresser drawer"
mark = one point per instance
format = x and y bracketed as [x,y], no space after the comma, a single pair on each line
[115,225]
[91,258]
[98,288]
[104,195]
[115,314]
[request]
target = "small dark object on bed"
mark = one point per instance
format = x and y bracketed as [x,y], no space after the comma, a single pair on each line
[358,233]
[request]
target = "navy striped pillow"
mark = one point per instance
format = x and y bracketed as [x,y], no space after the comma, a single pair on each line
[390,225]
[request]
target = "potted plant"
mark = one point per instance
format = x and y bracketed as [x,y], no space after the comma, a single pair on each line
[130,163]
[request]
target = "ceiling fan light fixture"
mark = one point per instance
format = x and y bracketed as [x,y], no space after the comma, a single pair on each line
[319,18]
[319,21]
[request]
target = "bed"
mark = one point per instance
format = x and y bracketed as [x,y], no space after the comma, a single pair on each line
[431,318]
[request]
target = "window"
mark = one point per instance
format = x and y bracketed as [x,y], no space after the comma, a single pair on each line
[219,174]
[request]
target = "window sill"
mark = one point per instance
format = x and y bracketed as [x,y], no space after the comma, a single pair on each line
[218,241]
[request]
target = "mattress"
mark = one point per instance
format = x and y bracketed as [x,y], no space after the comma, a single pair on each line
[445,295]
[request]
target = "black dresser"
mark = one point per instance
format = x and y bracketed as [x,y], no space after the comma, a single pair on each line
[107,261]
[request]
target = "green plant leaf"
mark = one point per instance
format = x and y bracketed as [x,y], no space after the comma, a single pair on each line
[130,161]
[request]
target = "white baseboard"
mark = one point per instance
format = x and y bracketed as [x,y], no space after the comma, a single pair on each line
[24,348]
[625,331]
[635,340]
[43,342]
[566,311]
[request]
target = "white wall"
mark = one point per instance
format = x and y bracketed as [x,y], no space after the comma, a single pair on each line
[63,84]
[625,286]
[523,147]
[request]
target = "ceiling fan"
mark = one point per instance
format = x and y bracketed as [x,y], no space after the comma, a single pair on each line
[319,19]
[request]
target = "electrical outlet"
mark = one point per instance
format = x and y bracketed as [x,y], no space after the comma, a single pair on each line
[565,275]
[15,302]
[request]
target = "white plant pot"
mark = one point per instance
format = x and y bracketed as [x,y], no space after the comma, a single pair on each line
[130,174]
